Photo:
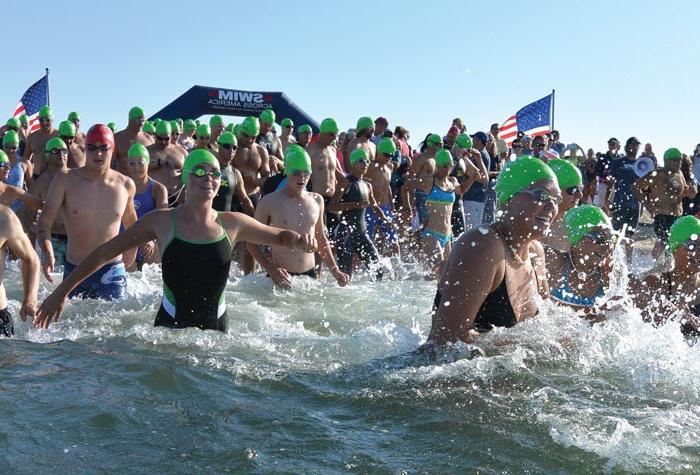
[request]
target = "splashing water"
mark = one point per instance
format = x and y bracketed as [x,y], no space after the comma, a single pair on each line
[324,379]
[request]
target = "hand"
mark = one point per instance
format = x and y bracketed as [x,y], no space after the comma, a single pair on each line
[50,310]
[148,250]
[307,243]
[340,277]
[47,263]
[28,310]
[280,277]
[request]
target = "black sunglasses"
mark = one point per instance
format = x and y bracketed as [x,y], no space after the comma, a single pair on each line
[97,148]
[228,146]
[572,190]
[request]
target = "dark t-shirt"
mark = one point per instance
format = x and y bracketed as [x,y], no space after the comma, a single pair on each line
[622,170]
[602,166]
[477,192]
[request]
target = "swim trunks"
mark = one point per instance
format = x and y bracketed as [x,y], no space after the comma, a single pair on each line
[373,221]
[6,328]
[107,283]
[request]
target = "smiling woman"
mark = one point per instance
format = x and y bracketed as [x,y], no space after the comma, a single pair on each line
[490,279]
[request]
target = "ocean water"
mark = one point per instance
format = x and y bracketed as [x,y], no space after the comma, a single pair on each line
[321,379]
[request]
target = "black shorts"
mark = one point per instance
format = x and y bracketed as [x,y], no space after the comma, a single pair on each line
[6,328]
[662,226]
[628,216]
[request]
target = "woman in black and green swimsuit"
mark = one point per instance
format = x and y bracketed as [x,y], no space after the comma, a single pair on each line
[196,243]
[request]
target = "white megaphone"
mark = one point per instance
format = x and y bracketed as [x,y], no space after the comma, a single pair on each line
[643,165]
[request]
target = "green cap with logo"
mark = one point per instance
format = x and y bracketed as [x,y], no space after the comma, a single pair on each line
[568,174]
[296,159]
[386,146]
[55,143]
[519,174]
[139,150]
[227,138]
[357,155]
[267,116]
[581,220]
[443,158]
[464,141]
[66,129]
[250,126]
[672,154]
[683,229]
[196,157]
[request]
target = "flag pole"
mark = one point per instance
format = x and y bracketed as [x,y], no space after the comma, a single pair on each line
[552,108]
[48,98]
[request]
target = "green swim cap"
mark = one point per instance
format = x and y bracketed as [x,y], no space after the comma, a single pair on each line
[215,121]
[24,119]
[113,127]
[386,146]
[687,227]
[267,116]
[464,141]
[250,126]
[230,127]
[3,157]
[443,157]
[66,129]
[519,174]
[296,159]
[357,155]
[148,127]
[227,138]
[304,129]
[189,125]
[364,123]
[73,116]
[45,113]
[672,154]
[13,122]
[567,173]
[53,143]
[164,129]
[175,127]
[197,157]
[11,138]
[156,120]
[580,220]
[236,129]
[329,126]
[287,122]
[136,113]
[139,150]
[433,139]
[203,130]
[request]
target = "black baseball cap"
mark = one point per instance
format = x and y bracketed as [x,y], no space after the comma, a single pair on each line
[614,140]
[633,139]
[481,136]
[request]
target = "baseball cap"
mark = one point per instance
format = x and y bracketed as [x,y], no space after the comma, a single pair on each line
[613,140]
[633,139]
[481,136]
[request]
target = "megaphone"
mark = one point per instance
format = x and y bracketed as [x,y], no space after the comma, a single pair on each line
[643,165]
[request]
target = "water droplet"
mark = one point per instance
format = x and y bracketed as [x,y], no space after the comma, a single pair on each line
[446,304]
[473,243]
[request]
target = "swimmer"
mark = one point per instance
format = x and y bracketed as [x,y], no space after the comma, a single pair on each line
[216,127]
[490,278]
[268,139]
[165,163]
[94,201]
[34,147]
[287,138]
[423,166]
[676,293]
[187,138]
[579,275]
[18,169]
[13,238]
[352,236]
[571,186]
[202,137]
[379,178]
[363,139]
[294,208]
[231,179]
[148,195]
[76,152]
[74,118]
[196,243]
[124,139]
[304,135]
[464,170]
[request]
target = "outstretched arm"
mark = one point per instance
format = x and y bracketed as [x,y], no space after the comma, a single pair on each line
[19,244]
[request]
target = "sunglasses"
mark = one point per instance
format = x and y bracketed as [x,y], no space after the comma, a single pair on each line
[67,139]
[134,163]
[201,172]
[300,173]
[543,196]
[162,139]
[4,164]
[97,148]
[59,151]
[228,146]
[44,120]
[572,190]
[600,237]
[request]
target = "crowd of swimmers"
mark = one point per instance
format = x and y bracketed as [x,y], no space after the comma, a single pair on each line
[498,226]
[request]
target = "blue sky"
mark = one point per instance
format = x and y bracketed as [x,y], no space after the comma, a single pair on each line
[620,68]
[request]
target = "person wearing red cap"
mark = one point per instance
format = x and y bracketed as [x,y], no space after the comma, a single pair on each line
[124,139]
[380,126]
[94,201]
[34,147]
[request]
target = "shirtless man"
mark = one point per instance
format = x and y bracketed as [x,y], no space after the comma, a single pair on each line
[202,137]
[124,139]
[270,141]
[94,200]
[166,160]
[662,192]
[34,148]
[187,137]
[304,135]
[379,177]
[324,162]
[363,138]
[216,127]
[231,179]
[252,161]
[292,207]
[74,118]
[57,153]
[76,153]
[13,237]
[287,138]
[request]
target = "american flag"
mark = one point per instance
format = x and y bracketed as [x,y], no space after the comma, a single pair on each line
[533,119]
[36,97]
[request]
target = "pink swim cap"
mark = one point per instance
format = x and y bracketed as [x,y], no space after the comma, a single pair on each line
[99,133]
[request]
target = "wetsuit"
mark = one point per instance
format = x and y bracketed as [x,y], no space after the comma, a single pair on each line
[224,197]
[269,141]
[352,229]
[439,197]
[195,274]
[458,207]
[564,292]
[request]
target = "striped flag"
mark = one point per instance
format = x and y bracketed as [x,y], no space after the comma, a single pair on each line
[534,119]
[36,97]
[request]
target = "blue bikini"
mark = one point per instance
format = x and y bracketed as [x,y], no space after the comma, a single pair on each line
[564,293]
